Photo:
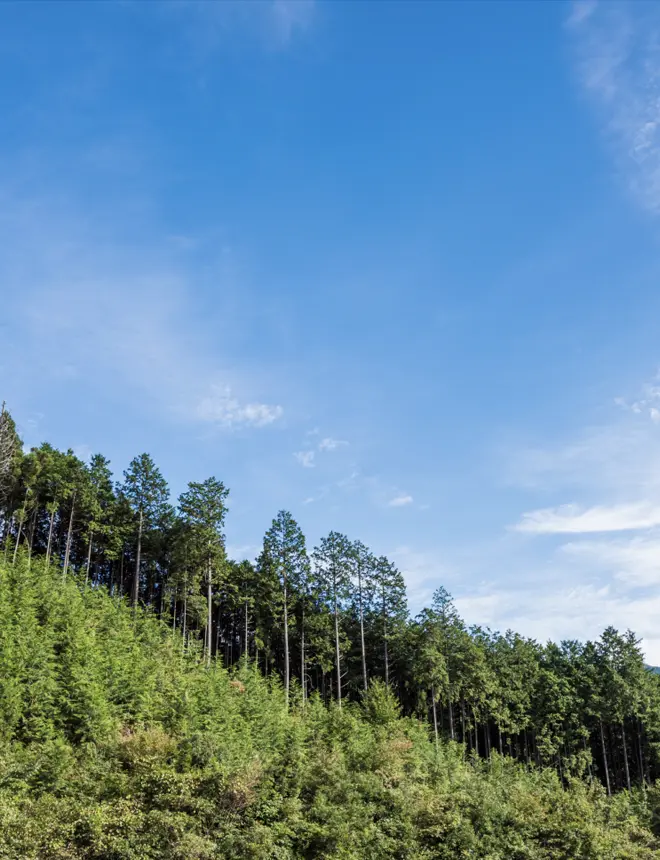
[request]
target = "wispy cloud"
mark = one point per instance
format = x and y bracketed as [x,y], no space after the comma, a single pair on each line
[221,408]
[400,501]
[305,458]
[634,561]
[93,309]
[329,444]
[570,519]
[618,60]
[565,612]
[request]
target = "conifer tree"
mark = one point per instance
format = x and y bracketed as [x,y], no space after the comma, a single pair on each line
[285,557]
[203,508]
[332,560]
[147,493]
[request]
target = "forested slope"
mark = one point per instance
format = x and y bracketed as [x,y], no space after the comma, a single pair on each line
[119,742]
[159,699]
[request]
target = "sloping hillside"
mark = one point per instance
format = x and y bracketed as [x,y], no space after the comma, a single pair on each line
[118,745]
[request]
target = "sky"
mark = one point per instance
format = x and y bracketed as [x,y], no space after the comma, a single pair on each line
[393,267]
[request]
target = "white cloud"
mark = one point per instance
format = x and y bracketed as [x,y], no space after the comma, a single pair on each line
[635,562]
[305,458]
[600,518]
[647,404]
[221,408]
[619,68]
[400,501]
[566,612]
[329,444]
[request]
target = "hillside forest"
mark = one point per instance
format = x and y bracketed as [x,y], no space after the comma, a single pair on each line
[159,699]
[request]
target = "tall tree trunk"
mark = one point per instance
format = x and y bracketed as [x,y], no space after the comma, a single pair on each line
[209,613]
[385,654]
[50,539]
[69,538]
[526,748]
[604,753]
[638,732]
[218,622]
[33,526]
[89,555]
[303,673]
[337,652]
[435,717]
[18,540]
[586,756]
[121,572]
[8,529]
[476,732]
[286,633]
[136,578]
[451,718]
[625,754]
[245,639]
[499,740]
[365,682]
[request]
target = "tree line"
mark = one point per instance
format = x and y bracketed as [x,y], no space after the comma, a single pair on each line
[330,620]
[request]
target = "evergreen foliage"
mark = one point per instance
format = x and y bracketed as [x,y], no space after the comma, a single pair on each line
[159,700]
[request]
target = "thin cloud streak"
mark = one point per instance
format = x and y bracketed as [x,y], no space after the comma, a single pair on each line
[618,61]
[570,519]
[400,501]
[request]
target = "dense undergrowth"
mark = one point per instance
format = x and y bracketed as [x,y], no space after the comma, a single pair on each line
[117,745]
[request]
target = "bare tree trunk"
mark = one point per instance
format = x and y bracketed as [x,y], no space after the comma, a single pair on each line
[286,633]
[18,540]
[451,718]
[33,525]
[8,529]
[245,641]
[604,751]
[69,537]
[625,754]
[586,755]
[185,620]
[435,717]
[365,682]
[89,555]
[217,633]
[639,750]
[121,573]
[209,614]
[337,652]
[387,661]
[50,539]
[476,731]
[303,675]
[136,578]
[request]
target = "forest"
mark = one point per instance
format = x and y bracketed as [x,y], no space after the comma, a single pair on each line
[161,700]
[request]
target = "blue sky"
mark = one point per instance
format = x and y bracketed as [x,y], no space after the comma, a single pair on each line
[393,267]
